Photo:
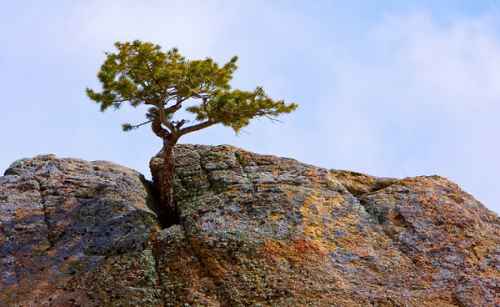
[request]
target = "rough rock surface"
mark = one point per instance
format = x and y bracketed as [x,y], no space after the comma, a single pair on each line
[75,233]
[265,231]
[254,230]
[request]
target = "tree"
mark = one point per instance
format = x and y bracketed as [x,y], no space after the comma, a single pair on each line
[140,73]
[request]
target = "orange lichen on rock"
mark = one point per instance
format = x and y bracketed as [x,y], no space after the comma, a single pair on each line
[253,230]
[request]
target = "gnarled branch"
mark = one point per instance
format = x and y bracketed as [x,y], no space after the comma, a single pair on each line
[158,129]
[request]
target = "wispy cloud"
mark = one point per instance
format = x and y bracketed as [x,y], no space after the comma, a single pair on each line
[424,99]
[403,95]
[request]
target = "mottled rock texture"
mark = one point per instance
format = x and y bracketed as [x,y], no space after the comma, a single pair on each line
[75,233]
[253,230]
[265,231]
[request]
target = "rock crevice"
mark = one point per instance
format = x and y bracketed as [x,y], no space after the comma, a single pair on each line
[260,219]
[79,233]
[45,213]
[251,230]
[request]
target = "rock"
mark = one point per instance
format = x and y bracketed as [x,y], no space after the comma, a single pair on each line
[268,231]
[75,233]
[253,230]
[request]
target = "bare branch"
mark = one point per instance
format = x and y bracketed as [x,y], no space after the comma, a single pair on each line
[197,127]
[121,100]
[272,119]
[141,124]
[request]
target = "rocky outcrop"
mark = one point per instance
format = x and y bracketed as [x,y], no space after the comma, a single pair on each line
[270,231]
[252,230]
[75,233]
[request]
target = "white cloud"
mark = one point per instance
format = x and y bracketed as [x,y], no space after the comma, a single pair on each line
[412,96]
[425,99]
[402,96]
[192,25]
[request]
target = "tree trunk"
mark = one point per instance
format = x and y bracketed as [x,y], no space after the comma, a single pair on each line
[168,208]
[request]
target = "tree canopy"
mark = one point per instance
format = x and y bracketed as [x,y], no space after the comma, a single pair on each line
[141,73]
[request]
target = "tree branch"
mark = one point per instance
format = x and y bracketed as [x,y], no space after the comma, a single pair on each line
[174,108]
[197,127]
[163,120]
[180,123]
[141,124]
[170,127]
[272,119]
[158,129]
[121,100]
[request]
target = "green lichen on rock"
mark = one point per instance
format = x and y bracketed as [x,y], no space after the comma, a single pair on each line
[75,232]
[276,232]
[254,230]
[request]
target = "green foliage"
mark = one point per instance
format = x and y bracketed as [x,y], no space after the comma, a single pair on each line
[141,73]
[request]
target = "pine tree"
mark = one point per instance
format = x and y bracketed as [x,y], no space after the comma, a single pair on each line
[140,73]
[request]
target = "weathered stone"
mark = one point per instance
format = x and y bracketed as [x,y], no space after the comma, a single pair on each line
[75,232]
[254,230]
[275,232]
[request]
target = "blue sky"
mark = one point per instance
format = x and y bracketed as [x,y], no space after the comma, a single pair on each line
[388,88]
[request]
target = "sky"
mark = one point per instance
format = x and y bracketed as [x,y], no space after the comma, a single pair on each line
[387,88]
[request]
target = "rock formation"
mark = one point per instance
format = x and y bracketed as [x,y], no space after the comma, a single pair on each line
[251,230]
[75,233]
